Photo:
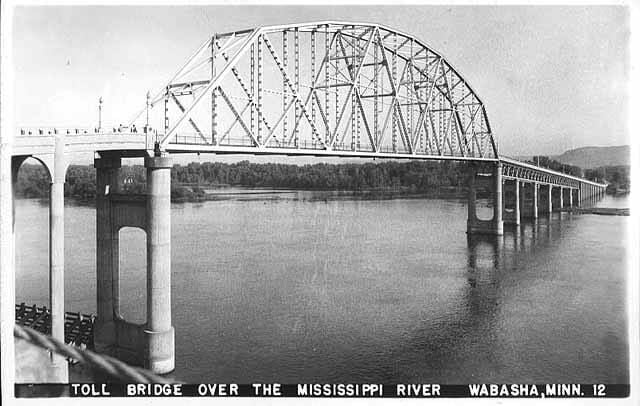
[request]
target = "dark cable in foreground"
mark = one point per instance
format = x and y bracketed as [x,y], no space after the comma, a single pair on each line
[104,363]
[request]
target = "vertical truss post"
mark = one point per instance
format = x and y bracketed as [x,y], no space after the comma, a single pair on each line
[213,94]
[252,108]
[296,78]
[410,91]
[166,111]
[214,116]
[313,76]
[327,47]
[260,63]
[441,123]
[284,85]
[375,95]
[423,109]
[354,112]
[336,89]
[394,72]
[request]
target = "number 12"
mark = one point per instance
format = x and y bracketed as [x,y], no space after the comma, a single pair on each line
[598,390]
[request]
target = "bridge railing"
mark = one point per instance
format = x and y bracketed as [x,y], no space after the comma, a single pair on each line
[193,138]
[40,140]
[71,131]
[42,131]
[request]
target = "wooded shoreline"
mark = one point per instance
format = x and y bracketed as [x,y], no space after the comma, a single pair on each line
[189,182]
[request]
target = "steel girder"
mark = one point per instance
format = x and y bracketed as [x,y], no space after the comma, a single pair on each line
[330,86]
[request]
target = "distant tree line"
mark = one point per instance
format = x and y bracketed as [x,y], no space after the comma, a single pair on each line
[416,175]
[188,180]
[554,165]
[616,176]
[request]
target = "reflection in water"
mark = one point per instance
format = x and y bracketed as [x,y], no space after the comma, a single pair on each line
[453,338]
[486,300]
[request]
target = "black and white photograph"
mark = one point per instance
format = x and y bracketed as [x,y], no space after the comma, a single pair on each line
[319,201]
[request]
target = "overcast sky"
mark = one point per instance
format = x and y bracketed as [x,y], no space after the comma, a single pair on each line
[551,78]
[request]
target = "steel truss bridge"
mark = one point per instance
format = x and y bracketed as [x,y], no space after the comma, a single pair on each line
[336,89]
[321,89]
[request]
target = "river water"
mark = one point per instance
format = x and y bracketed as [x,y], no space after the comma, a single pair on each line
[298,287]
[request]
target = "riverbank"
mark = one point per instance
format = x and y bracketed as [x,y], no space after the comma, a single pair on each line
[602,211]
[193,194]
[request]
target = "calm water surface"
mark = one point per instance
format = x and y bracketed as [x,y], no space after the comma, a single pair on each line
[307,287]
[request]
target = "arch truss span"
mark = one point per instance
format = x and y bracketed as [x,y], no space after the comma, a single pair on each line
[341,87]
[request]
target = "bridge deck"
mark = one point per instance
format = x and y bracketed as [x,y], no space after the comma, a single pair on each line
[42,142]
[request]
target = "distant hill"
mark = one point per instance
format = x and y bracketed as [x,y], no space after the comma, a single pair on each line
[594,157]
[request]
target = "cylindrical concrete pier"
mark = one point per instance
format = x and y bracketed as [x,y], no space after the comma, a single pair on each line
[159,333]
[56,274]
[535,200]
[517,205]
[56,259]
[497,200]
[579,197]
[549,199]
[561,197]
[107,255]
[471,198]
[570,197]
[56,256]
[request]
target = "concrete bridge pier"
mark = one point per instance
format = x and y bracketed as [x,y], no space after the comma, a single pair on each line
[56,165]
[159,333]
[570,197]
[518,204]
[150,344]
[56,255]
[512,204]
[494,226]
[107,257]
[529,200]
[536,186]
[588,194]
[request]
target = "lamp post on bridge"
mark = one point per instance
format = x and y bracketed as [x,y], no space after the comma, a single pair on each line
[146,125]
[100,113]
